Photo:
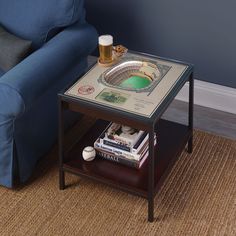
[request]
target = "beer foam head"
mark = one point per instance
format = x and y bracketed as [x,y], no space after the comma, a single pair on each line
[105,40]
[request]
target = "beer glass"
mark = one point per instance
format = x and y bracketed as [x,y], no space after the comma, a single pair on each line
[105,48]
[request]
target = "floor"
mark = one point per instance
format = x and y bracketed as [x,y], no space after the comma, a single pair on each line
[206,119]
[196,199]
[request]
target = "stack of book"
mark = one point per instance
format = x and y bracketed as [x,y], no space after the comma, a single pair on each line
[123,144]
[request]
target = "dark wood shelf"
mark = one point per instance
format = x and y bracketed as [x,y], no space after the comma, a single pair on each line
[172,138]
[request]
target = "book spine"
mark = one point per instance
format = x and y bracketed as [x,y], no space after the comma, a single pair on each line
[116,145]
[118,159]
[139,141]
[141,145]
[134,150]
[117,151]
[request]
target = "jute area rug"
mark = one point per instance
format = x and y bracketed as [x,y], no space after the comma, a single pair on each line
[198,198]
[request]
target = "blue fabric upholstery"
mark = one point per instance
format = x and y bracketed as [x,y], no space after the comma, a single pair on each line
[1,72]
[28,98]
[51,61]
[42,124]
[36,20]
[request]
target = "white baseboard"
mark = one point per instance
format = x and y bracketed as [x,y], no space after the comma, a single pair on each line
[211,95]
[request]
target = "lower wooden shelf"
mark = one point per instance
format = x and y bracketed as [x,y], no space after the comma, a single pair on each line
[172,138]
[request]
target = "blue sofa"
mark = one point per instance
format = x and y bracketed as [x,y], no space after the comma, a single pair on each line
[62,40]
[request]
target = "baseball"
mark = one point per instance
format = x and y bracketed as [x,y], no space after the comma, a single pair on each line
[89,153]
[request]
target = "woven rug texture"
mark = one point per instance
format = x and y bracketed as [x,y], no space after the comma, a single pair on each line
[197,198]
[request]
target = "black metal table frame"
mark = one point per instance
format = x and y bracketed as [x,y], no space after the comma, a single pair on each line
[139,122]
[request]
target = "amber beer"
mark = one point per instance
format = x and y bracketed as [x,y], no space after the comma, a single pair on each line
[105,48]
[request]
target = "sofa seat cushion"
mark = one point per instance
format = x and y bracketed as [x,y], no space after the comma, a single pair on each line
[38,20]
[12,49]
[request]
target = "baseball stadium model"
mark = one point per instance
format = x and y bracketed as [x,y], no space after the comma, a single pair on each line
[133,75]
[137,83]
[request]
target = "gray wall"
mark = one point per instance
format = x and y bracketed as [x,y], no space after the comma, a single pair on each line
[201,32]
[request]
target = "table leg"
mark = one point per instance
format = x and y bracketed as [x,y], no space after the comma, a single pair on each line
[151,172]
[61,179]
[60,145]
[190,112]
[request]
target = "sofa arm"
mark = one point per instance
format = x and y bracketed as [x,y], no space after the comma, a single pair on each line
[25,83]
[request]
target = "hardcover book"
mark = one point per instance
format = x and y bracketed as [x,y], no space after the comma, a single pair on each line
[105,139]
[123,135]
[121,160]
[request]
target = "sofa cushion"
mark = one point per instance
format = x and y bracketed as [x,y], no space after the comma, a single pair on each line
[12,49]
[37,20]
